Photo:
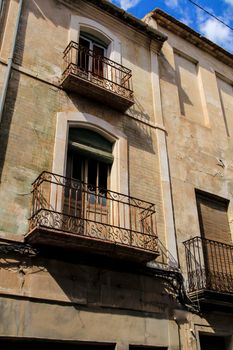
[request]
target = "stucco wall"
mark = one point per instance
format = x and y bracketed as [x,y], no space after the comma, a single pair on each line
[199,150]
[48,321]
[50,298]
[33,101]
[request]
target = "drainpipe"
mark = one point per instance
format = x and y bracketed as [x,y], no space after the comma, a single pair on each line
[1,8]
[1,11]
[10,59]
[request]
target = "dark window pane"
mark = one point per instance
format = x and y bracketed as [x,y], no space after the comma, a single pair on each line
[92,172]
[103,175]
[77,167]
[97,64]
[83,55]
[92,178]
[103,182]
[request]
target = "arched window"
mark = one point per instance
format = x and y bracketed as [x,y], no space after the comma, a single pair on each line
[68,121]
[89,157]
[96,33]
[89,162]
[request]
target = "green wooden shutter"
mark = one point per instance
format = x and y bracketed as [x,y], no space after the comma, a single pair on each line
[90,144]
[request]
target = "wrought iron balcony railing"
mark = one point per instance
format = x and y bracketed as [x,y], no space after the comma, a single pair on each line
[90,214]
[209,265]
[93,75]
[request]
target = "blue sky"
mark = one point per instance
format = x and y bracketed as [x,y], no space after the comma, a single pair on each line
[189,14]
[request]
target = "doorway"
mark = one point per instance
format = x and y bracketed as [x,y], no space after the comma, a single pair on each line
[89,162]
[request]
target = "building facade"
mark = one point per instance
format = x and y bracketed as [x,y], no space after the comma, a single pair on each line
[197,76]
[115,149]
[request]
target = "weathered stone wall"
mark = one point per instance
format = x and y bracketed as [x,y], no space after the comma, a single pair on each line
[33,99]
[54,299]
[199,151]
[211,323]
[200,157]
[90,285]
[48,298]
[47,321]
[76,301]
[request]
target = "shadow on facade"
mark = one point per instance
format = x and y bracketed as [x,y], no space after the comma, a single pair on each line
[169,74]
[12,93]
[137,130]
[119,287]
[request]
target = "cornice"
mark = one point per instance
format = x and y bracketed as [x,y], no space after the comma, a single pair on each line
[185,32]
[126,18]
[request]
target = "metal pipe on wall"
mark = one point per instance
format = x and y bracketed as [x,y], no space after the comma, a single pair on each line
[1,6]
[10,59]
[1,13]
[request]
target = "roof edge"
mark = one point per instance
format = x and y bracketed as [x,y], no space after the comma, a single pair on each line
[129,19]
[187,33]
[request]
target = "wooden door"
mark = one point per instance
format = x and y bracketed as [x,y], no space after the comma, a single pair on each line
[84,55]
[97,61]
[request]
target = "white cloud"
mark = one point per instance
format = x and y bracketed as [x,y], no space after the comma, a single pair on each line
[183,14]
[171,3]
[217,32]
[186,20]
[126,4]
[230,2]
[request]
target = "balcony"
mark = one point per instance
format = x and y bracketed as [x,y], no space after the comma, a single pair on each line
[97,77]
[210,270]
[71,214]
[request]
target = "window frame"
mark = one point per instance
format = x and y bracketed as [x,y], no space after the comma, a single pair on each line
[90,68]
[119,172]
[80,23]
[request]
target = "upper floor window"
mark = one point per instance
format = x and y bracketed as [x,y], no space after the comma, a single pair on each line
[93,42]
[91,53]
[92,65]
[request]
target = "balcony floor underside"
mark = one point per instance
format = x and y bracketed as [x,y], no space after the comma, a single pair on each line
[53,237]
[210,297]
[88,89]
